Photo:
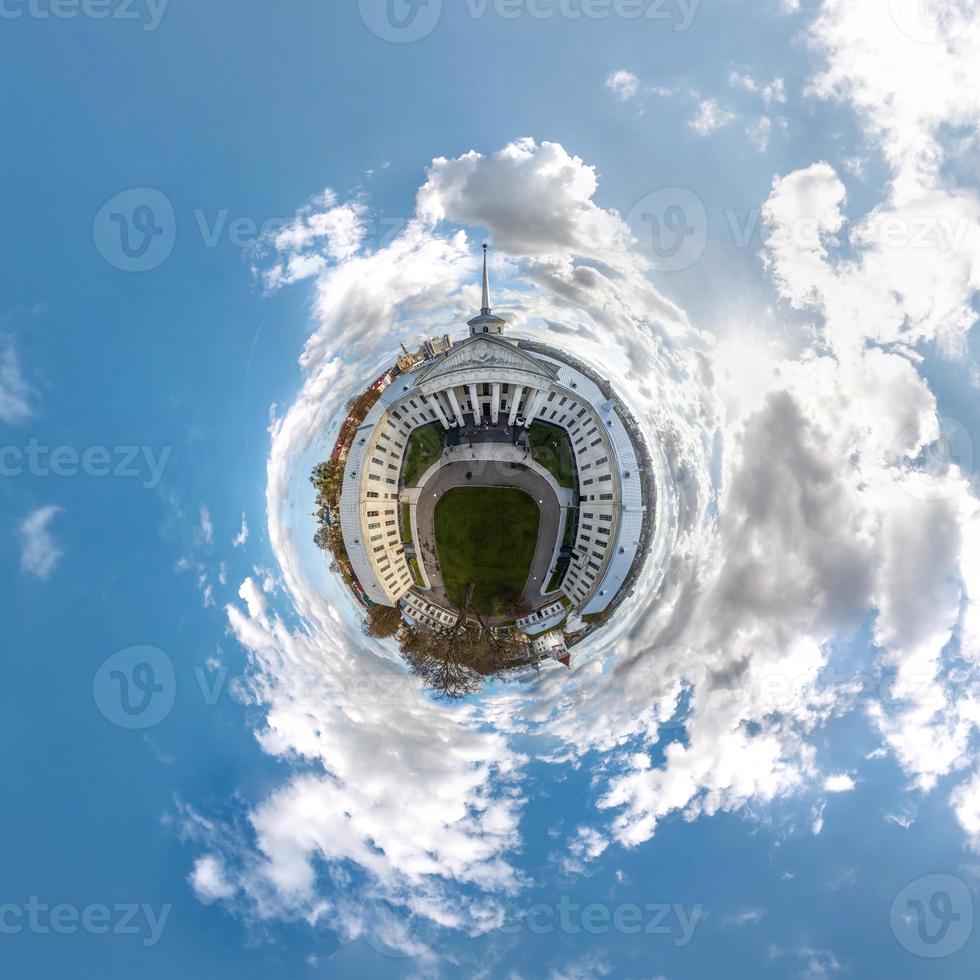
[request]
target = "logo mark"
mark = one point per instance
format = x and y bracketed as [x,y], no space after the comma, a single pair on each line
[929,476]
[136,687]
[401,21]
[136,230]
[932,917]
[933,21]
[673,223]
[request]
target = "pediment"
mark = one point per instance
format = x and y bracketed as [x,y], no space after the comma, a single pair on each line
[485,353]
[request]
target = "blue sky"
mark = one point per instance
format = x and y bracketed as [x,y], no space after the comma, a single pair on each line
[770,752]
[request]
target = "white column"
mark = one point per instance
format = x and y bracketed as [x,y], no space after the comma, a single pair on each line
[475,400]
[454,401]
[518,391]
[437,405]
[533,405]
[495,404]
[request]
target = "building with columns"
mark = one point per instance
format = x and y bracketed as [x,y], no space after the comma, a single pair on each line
[501,385]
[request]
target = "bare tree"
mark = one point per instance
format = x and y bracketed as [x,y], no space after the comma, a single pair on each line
[456,659]
[383,621]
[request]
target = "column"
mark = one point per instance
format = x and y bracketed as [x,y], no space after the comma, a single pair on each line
[518,391]
[534,403]
[495,404]
[437,405]
[454,401]
[475,400]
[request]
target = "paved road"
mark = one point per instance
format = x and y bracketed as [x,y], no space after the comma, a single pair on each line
[487,473]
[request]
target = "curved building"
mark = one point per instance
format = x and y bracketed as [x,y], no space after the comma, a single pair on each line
[483,394]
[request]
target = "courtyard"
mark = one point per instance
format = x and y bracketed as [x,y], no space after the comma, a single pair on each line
[486,536]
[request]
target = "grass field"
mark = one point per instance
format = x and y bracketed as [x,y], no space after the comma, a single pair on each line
[485,535]
[406,523]
[424,448]
[550,447]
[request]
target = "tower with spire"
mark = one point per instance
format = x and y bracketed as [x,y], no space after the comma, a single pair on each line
[486,322]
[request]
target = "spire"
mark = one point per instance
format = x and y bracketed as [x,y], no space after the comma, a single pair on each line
[486,283]
[486,322]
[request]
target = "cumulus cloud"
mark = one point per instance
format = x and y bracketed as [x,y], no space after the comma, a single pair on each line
[623,84]
[710,116]
[839,783]
[210,881]
[39,552]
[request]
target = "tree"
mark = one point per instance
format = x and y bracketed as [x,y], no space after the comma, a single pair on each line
[456,659]
[383,621]
[512,604]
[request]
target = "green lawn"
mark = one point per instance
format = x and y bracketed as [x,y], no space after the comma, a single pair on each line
[550,447]
[485,535]
[407,523]
[424,448]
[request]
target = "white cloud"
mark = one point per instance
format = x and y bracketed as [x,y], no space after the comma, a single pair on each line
[206,527]
[15,392]
[966,805]
[39,552]
[210,881]
[772,92]
[242,535]
[623,84]
[710,116]
[747,917]
[759,132]
[839,783]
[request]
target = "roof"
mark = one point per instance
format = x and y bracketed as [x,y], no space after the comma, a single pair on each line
[484,351]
